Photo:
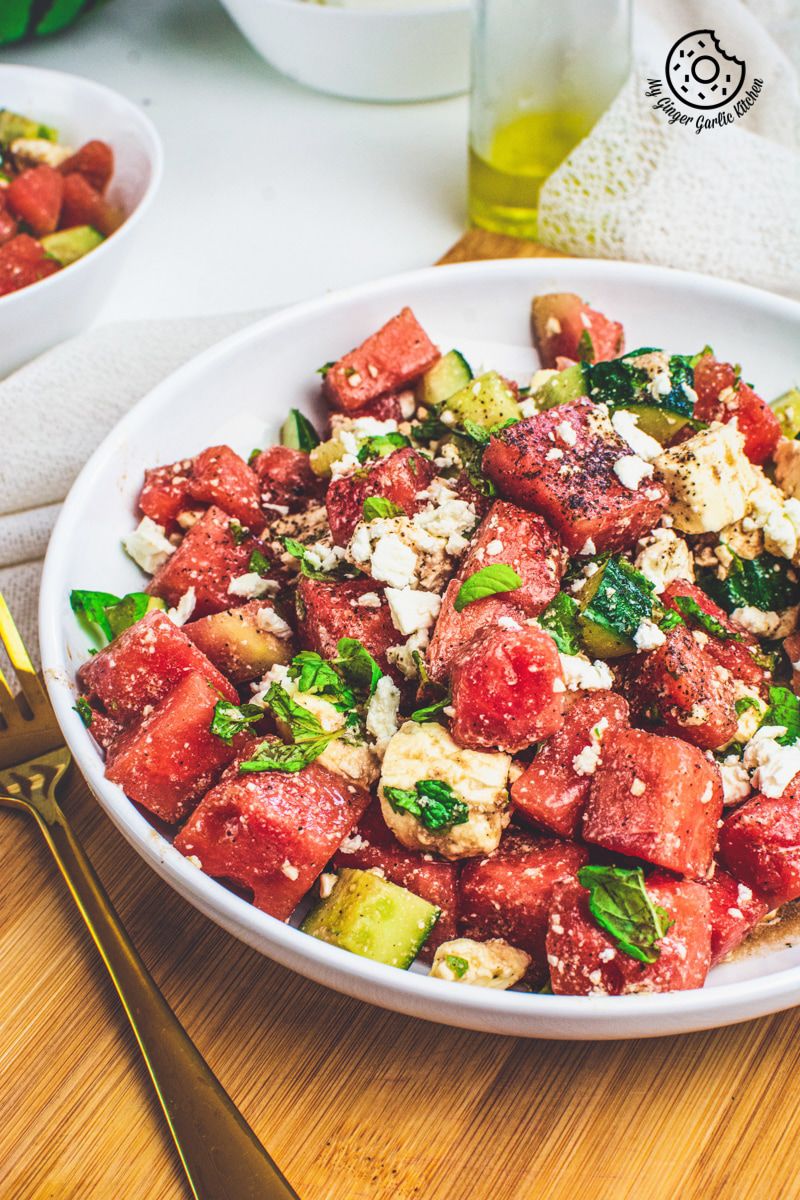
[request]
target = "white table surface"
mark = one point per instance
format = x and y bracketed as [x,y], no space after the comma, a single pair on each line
[271,193]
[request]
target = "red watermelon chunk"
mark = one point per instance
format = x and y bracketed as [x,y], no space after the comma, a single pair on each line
[551,792]
[735,909]
[560,463]
[330,611]
[8,227]
[83,205]
[35,197]
[208,559]
[734,656]
[170,757]
[521,540]
[723,395]
[656,798]
[371,844]
[22,262]
[586,961]
[164,495]
[219,476]
[759,843]
[94,161]
[563,326]
[272,832]
[509,893]
[139,668]
[508,689]
[394,406]
[286,479]
[399,477]
[398,353]
[683,690]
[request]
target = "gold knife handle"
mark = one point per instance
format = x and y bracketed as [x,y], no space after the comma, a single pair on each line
[221,1155]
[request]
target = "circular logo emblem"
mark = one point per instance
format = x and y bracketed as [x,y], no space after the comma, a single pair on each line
[700,73]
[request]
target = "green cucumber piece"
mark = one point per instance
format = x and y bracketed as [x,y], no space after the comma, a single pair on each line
[614,602]
[562,388]
[14,125]
[68,245]
[367,915]
[487,400]
[298,433]
[451,373]
[787,410]
[656,421]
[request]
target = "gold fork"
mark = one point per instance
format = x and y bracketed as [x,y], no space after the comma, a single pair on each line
[221,1155]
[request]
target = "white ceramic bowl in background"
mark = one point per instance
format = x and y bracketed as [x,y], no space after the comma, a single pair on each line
[410,52]
[483,309]
[39,316]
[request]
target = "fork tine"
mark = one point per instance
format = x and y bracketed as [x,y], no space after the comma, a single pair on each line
[8,705]
[32,689]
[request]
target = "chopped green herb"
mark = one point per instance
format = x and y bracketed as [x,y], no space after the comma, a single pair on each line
[230,719]
[458,965]
[347,680]
[767,583]
[323,370]
[378,506]
[667,618]
[309,739]
[432,801]
[420,715]
[253,455]
[84,710]
[357,666]
[240,533]
[745,702]
[704,353]
[690,608]
[299,551]
[478,433]
[258,564]
[560,619]
[621,905]
[488,581]
[784,709]
[382,445]
[298,433]
[585,347]
[112,614]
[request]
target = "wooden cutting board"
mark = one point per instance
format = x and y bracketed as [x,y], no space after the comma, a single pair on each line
[354,1103]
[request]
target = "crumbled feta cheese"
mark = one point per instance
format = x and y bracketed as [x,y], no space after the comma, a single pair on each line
[735,780]
[369,600]
[588,548]
[412,610]
[147,546]
[588,759]
[626,426]
[327,882]
[353,843]
[648,636]
[402,657]
[787,467]
[638,787]
[664,557]
[393,561]
[766,624]
[554,454]
[630,470]
[289,869]
[566,433]
[495,546]
[381,720]
[552,326]
[33,152]
[709,479]
[183,610]
[251,586]
[268,620]
[493,963]
[582,675]
[773,766]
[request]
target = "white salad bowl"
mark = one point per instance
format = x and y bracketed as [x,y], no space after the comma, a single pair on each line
[239,392]
[389,50]
[47,312]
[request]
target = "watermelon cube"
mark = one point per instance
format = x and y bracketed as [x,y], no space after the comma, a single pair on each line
[83,205]
[759,844]
[35,197]
[682,689]
[393,406]
[371,844]
[735,909]
[242,641]
[553,791]
[565,327]
[735,656]
[584,960]
[561,463]
[722,396]
[8,227]
[22,262]
[399,352]
[399,477]
[509,893]
[139,669]
[521,540]
[507,689]
[656,798]
[271,832]
[94,161]
[219,476]
[209,558]
[286,479]
[327,612]
[170,757]
[165,495]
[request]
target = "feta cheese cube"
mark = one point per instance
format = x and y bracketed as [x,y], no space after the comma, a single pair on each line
[709,479]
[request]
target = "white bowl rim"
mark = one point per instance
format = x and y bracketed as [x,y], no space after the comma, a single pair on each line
[155,153]
[415,994]
[345,11]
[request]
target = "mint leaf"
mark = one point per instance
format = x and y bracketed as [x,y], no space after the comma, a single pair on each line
[432,801]
[357,667]
[240,533]
[309,739]
[620,904]
[761,582]
[560,619]
[585,347]
[690,608]
[323,370]
[475,432]
[378,506]
[488,581]
[315,674]
[744,702]
[382,445]
[112,614]
[273,755]
[458,965]
[429,711]
[84,710]
[784,709]
[258,563]
[230,719]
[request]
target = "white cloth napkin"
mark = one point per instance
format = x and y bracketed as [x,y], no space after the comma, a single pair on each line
[723,201]
[53,414]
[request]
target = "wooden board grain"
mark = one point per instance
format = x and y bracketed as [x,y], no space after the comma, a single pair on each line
[354,1103]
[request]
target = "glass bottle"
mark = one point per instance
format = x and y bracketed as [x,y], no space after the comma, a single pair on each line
[543,72]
